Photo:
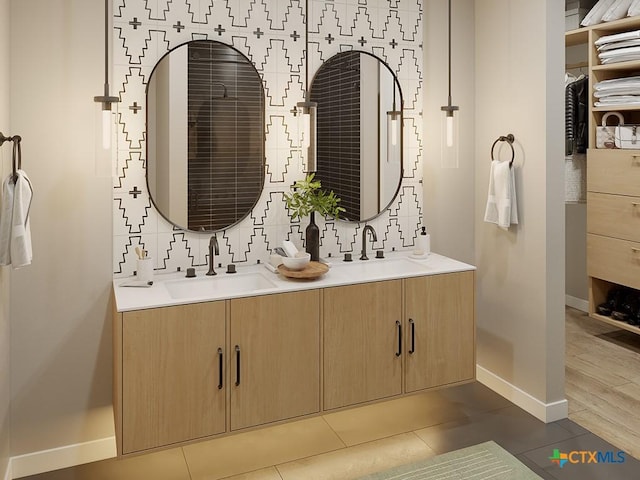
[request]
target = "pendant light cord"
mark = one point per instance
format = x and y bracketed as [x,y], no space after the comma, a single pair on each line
[394,95]
[449,17]
[448,107]
[106,47]
[106,99]
[306,50]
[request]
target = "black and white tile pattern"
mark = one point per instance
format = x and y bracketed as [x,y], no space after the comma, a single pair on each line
[271,34]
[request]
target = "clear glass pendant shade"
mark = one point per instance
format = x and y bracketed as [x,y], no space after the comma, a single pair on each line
[449,140]
[105,138]
[307,130]
[394,120]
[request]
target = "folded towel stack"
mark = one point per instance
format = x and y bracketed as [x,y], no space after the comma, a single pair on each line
[619,47]
[617,92]
[615,48]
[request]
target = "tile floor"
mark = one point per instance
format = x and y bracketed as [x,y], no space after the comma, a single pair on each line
[347,445]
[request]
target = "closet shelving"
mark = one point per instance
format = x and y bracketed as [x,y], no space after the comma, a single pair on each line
[613,183]
[576,37]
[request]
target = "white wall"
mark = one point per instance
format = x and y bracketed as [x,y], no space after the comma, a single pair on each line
[507,77]
[520,90]
[369,141]
[5,168]
[60,312]
[449,193]
[167,122]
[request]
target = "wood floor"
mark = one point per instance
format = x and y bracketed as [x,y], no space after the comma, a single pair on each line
[603,380]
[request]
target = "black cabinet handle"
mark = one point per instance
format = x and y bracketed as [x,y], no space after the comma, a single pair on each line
[237,365]
[413,336]
[220,364]
[399,325]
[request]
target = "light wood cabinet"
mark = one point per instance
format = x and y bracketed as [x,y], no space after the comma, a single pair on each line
[417,332]
[190,372]
[440,333]
[613,221]
[275,368]
[614,260]
[173,385]
[613,182]
[361,342]
[614,171]
[615,216]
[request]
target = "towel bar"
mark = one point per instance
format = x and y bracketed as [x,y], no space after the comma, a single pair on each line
[509,139]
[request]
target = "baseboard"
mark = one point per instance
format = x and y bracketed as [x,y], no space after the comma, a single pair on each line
[547,412]
[77,454]
[578,303]
[62,457]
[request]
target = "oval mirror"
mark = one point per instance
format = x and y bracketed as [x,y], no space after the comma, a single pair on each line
[359,133]
[205,136]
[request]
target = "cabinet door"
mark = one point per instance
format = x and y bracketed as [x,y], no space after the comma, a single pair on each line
[440,330]
[361,342]
[275,369]
[171,375]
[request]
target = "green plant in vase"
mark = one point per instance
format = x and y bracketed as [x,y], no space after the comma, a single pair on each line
[307,197]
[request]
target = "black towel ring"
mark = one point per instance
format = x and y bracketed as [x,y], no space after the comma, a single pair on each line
[16,158]
[509,139]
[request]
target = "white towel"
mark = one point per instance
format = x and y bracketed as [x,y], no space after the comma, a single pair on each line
[617,37]
[15,232]
[6,215]
[501,202]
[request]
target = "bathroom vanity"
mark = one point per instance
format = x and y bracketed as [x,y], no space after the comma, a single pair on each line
[195,358]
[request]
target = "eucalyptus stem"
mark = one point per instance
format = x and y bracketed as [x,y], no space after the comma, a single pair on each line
[308,196]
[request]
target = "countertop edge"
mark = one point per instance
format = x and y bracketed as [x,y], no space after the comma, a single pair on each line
[157,296]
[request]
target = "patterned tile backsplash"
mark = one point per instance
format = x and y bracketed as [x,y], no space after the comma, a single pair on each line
[270,33]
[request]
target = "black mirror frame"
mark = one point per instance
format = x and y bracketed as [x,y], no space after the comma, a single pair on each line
[146,138]
[401,100]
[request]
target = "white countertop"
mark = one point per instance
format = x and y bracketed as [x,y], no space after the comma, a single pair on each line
[395,265]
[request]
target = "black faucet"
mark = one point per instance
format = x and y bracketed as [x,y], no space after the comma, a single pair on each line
[364,240]
[213,248]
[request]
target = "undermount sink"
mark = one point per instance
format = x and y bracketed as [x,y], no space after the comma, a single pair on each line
[220,285]
[380,267]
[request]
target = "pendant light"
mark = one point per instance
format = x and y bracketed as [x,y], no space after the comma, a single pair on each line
[449,129]
[307,110]
[105,101]
[393,122]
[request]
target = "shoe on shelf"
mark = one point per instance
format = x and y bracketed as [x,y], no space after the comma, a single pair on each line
[621,316]
[603,309]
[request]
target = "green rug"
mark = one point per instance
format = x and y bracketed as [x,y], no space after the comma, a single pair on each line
[480,462]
